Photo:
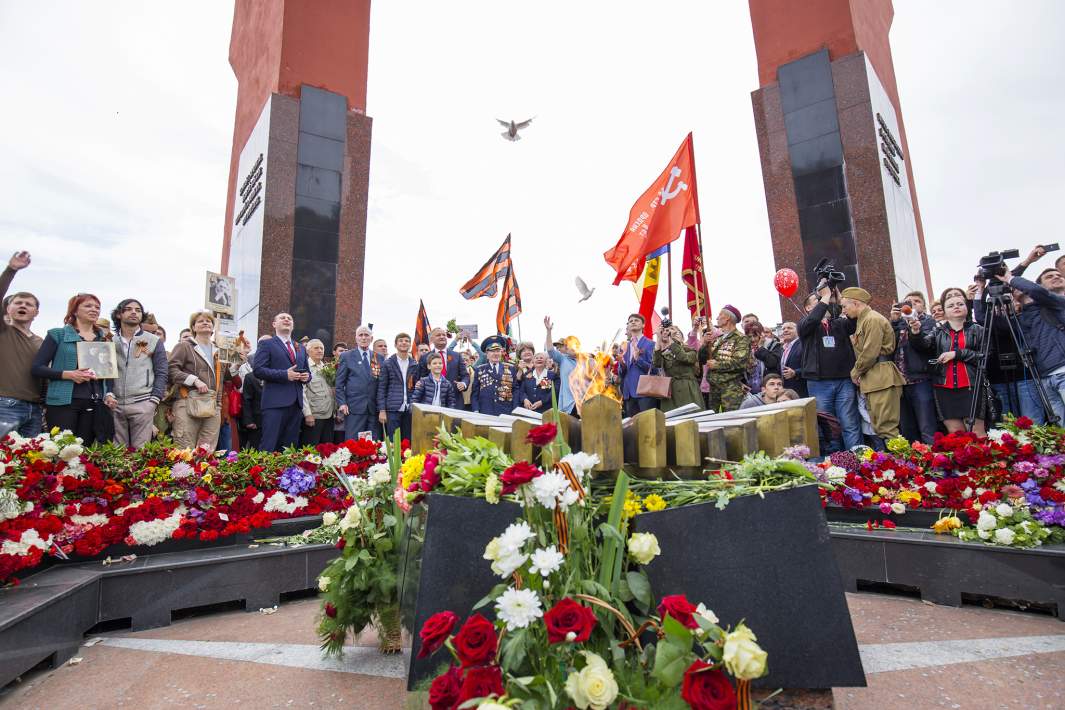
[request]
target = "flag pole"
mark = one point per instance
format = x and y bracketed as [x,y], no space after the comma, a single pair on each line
[669,270]
[517,319]
[704,303]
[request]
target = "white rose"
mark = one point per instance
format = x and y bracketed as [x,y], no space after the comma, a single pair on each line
[643,547]
[1004,510]
[70,452]
[593,686]
[744,658]
[898,508]
[351,518]
[702,611]
[323,583]
[329,518]
[986,521]
[1004,536]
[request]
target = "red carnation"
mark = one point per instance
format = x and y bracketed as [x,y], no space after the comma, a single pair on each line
[518,475]
[330,610]
[481,683]
[435,631]
[678,606]
[542,435]
[567,616]
[444,692]
[1023,423]
[707,689]
[475,643]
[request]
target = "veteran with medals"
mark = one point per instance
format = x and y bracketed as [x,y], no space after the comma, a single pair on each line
[494,381]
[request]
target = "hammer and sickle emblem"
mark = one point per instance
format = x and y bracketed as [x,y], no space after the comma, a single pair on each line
[669,192]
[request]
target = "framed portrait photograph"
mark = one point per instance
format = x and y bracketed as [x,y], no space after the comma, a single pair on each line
[221,294]
[100,357]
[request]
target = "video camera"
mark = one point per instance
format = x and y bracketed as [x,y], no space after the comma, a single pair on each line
[828,275]
[993,266]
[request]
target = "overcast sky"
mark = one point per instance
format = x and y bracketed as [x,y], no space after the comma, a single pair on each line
[118,119]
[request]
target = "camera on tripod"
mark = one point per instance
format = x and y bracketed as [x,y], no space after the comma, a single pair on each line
[828,275]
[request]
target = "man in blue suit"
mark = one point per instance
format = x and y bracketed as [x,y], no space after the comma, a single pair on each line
[791,359]
[636,358]
[281,364]
[454,366]
[356,386]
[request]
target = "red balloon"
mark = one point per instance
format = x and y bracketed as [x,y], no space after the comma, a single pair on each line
[786,282]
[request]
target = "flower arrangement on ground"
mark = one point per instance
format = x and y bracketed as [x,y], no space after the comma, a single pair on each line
[59,498]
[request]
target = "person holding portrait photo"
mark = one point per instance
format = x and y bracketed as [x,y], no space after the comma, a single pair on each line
[198,373]
[77,399]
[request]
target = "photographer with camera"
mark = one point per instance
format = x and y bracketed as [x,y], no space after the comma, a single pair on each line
[1043,323]
[827,359]
[917,408]
[955,348]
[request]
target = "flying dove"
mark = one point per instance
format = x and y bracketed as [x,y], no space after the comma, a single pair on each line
[586,292]
[511,134]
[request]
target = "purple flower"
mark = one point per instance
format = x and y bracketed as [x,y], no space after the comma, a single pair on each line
[1030,485]
[1051,461]
[854,494]
[1024,467]
[296,480]
[231,457]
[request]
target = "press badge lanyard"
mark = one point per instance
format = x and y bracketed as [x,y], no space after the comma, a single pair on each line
[828,341]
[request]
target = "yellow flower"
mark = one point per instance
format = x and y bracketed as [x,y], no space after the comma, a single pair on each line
[945,525]
[883,491]
[491,488]
[874,499]
[180,455]
[631,510]
[898,445]
[654,502]
[411,470]
[206,478]
[910,497]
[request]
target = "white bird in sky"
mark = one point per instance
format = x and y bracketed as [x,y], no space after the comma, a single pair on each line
[586,292]
[511,134]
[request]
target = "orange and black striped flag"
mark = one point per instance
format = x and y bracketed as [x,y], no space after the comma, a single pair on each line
[484,283]
[509,302]
[421,329]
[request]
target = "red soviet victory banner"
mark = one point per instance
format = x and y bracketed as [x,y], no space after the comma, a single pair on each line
[668,206]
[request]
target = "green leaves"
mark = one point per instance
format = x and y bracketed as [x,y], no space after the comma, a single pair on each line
[671,661]
[640,588]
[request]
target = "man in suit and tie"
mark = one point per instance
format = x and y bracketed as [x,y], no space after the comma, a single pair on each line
[636,360]
[791,359]
[454,367]
[356,386]
[281,364]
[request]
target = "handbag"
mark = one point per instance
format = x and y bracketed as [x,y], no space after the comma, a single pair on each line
[657,386]
[201,405]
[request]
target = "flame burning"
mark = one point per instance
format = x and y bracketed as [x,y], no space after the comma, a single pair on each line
[591,376]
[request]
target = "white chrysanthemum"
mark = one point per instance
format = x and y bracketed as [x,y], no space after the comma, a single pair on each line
[514,537]
[338,459]
[548,488]
[152,532]
[70,452]
[9,504]
[967,493]
[29,538]
[93,520]
[329,518]
[1004,510]
[1004,536]
[546,560]
[258,498]
[986,521]
[508,564]
[518,608]
[930,486]
[580,462]
[379,474]
[281,503]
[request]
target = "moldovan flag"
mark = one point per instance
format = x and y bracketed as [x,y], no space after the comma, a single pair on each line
[421,329]
[667,207]
[647,290]
[693,275]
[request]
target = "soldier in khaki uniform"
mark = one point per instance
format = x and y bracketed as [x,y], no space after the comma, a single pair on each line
[874,370]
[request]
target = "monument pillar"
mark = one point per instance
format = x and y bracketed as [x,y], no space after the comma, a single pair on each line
[835,162]
[295,232]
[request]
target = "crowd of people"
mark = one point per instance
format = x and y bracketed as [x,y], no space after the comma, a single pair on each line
[915,371]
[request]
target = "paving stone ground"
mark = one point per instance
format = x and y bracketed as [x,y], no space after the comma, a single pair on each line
[916,656]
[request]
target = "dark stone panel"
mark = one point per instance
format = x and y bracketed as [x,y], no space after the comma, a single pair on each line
[315,316]
[320,152]
[816,154]
[310,276]
[319,183]
[839,248]
[811,121]
[321,215]
[771,564]
[454,573]
[313,245]
[805,81]
[323,113]
[820,187]
[825,218]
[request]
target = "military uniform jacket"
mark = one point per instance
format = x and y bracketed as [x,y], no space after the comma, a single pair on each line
[731,352]
[874,343]
[493,388]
